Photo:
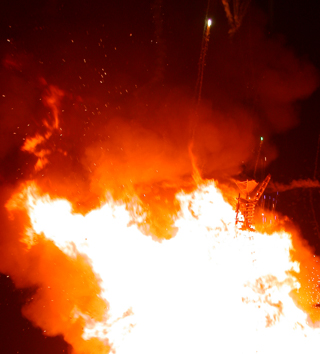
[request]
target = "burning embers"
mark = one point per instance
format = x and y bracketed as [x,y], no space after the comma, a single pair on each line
[209,289]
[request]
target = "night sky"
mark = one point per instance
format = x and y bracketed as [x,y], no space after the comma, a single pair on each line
[129,69]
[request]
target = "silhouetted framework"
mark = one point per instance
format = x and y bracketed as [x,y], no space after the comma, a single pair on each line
[252,192]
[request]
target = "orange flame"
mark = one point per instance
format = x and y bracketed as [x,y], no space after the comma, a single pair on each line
[194,292]
[33,144]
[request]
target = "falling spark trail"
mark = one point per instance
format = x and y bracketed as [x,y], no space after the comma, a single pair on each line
[198,90]
[202,59]
[257,161]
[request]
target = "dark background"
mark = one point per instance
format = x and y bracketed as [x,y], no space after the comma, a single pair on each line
[51,39]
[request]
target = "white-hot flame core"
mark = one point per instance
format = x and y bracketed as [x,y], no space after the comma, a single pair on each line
[210,289]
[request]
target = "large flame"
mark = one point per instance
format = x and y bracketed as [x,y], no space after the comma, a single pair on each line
[209,289]
[157,266]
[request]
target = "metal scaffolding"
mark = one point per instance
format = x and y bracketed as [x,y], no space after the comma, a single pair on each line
[252,192]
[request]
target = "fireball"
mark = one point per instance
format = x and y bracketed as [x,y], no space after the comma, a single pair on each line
[211,288]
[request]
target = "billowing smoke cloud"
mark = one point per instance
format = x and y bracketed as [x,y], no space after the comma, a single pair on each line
[251,84]
[117,137]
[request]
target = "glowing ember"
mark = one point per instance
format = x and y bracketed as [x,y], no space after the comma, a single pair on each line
[210,289]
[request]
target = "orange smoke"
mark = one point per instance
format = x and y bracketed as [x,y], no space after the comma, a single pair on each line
[34,145]
[301,183]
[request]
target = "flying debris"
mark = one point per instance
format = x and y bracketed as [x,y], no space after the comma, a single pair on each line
[252,192]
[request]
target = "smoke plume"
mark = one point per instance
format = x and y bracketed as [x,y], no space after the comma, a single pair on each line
[301,183]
